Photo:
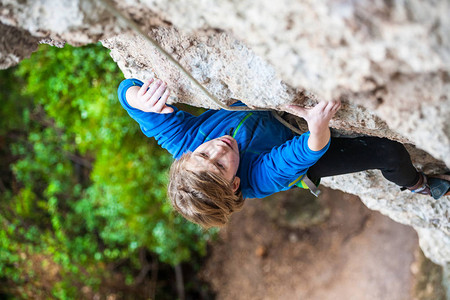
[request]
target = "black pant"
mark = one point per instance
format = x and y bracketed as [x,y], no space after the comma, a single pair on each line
[348,155]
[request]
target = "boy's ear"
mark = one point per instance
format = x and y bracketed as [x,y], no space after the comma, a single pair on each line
[235,184]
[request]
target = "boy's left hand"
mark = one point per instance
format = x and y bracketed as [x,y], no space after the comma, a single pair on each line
[150,97]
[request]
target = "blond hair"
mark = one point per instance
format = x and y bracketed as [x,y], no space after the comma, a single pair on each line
[202,197]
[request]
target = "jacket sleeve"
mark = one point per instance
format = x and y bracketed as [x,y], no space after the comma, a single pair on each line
[170,130]
[278,169]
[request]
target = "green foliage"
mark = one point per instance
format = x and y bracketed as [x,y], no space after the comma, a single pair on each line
[87,187]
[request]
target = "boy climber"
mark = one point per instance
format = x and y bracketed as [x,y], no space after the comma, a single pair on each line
[223,157]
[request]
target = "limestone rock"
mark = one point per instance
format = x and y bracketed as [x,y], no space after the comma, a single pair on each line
[388,61]
[16,44]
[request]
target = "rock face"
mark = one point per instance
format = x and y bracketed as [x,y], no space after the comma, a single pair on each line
[388,61]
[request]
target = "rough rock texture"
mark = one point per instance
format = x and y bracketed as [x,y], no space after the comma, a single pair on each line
[15,44]
[50,21]
[388,61]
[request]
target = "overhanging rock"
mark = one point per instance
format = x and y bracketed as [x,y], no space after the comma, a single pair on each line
[388,61]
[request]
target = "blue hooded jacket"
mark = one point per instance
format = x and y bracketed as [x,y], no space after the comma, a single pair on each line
[272,157]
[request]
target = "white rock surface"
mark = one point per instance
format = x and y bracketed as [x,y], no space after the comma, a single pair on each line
[389,62]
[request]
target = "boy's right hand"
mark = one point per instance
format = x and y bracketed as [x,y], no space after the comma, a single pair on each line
[318,119]
[151,97]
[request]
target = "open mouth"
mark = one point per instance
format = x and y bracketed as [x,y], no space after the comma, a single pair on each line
[228,142]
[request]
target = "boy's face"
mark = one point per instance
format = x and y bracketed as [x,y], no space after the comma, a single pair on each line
[220,156]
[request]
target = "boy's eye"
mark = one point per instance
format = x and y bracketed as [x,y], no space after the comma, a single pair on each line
[203,154]
[221,166]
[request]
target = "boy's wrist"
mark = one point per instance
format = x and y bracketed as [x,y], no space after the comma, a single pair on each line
[130,96]
[319,139]
[319,129]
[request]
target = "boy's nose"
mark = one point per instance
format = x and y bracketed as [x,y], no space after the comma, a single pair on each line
[217,151]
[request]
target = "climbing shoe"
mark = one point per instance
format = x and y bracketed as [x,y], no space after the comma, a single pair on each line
[439,185]
[433,185]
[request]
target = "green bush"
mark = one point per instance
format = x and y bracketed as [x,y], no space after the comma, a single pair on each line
[86,187]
